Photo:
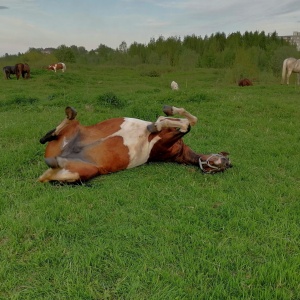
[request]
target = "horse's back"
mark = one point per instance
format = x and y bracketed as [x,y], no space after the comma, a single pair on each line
[292,64]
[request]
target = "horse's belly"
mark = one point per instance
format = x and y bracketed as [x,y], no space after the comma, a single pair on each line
[135,137]
[126,148]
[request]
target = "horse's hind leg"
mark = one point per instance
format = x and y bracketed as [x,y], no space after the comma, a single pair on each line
[68,170]
[59,174]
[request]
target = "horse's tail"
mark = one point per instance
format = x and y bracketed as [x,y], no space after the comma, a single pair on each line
[283,70]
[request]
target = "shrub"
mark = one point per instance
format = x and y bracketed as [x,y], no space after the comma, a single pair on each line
[199,97]
[19,101]
[110,100]
[151,73]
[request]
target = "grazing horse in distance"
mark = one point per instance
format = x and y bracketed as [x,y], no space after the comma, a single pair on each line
[22,70]
[59,66]
[290,65]
[77,153]
[8,70]
[26,71]
[245,82]
[174,85]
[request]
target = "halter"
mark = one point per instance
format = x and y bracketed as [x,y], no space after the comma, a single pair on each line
[214,169]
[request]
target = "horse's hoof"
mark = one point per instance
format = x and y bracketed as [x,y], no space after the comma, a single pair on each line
[168,110]
[152,128]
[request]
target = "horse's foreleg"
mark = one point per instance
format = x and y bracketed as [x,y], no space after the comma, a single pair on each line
[288,76]
[164,122]
[172,110]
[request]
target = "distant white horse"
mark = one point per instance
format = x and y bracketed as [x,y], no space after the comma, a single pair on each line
[174,85]
[290,65]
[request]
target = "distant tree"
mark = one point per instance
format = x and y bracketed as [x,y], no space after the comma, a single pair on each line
[123,47]
[138,50]
[246,53]
[173,49]
[32,55]
[65,54]
[104,53]
[280,54]
[194,43]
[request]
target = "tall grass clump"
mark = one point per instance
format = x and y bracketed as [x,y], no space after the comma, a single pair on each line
[18,101]
[198,97]
[110,99]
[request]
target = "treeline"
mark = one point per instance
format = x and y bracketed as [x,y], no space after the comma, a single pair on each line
[247,53]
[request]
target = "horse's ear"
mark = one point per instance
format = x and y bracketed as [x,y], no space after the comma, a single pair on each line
[71,113]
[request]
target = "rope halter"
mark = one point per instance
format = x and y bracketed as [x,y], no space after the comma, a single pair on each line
[209,168]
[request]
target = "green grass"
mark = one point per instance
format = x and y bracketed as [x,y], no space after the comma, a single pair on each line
[159,231]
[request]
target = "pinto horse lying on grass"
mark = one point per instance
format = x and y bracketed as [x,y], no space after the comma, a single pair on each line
[78,153]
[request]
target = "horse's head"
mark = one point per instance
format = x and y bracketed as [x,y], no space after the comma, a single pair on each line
[56,133]
[214,163]
[50,67]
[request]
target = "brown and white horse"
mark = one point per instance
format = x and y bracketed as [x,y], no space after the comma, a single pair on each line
[77,153]
[59,66]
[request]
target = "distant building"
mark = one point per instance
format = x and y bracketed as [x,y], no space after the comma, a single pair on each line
[48,50]
[293,39]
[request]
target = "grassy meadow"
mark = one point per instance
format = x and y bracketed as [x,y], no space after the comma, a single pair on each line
[159,231]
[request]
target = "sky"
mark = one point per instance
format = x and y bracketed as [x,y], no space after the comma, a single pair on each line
[50,23]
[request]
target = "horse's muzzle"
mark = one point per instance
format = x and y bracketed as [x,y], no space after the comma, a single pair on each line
[215,163]
[48,137]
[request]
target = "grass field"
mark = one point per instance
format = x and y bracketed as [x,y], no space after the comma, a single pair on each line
[159,231]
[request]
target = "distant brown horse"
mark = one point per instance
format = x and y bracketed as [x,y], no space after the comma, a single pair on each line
[22,69]
[245,82]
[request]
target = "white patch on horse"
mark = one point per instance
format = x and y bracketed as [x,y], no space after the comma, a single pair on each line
[65,143]
[139,148]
